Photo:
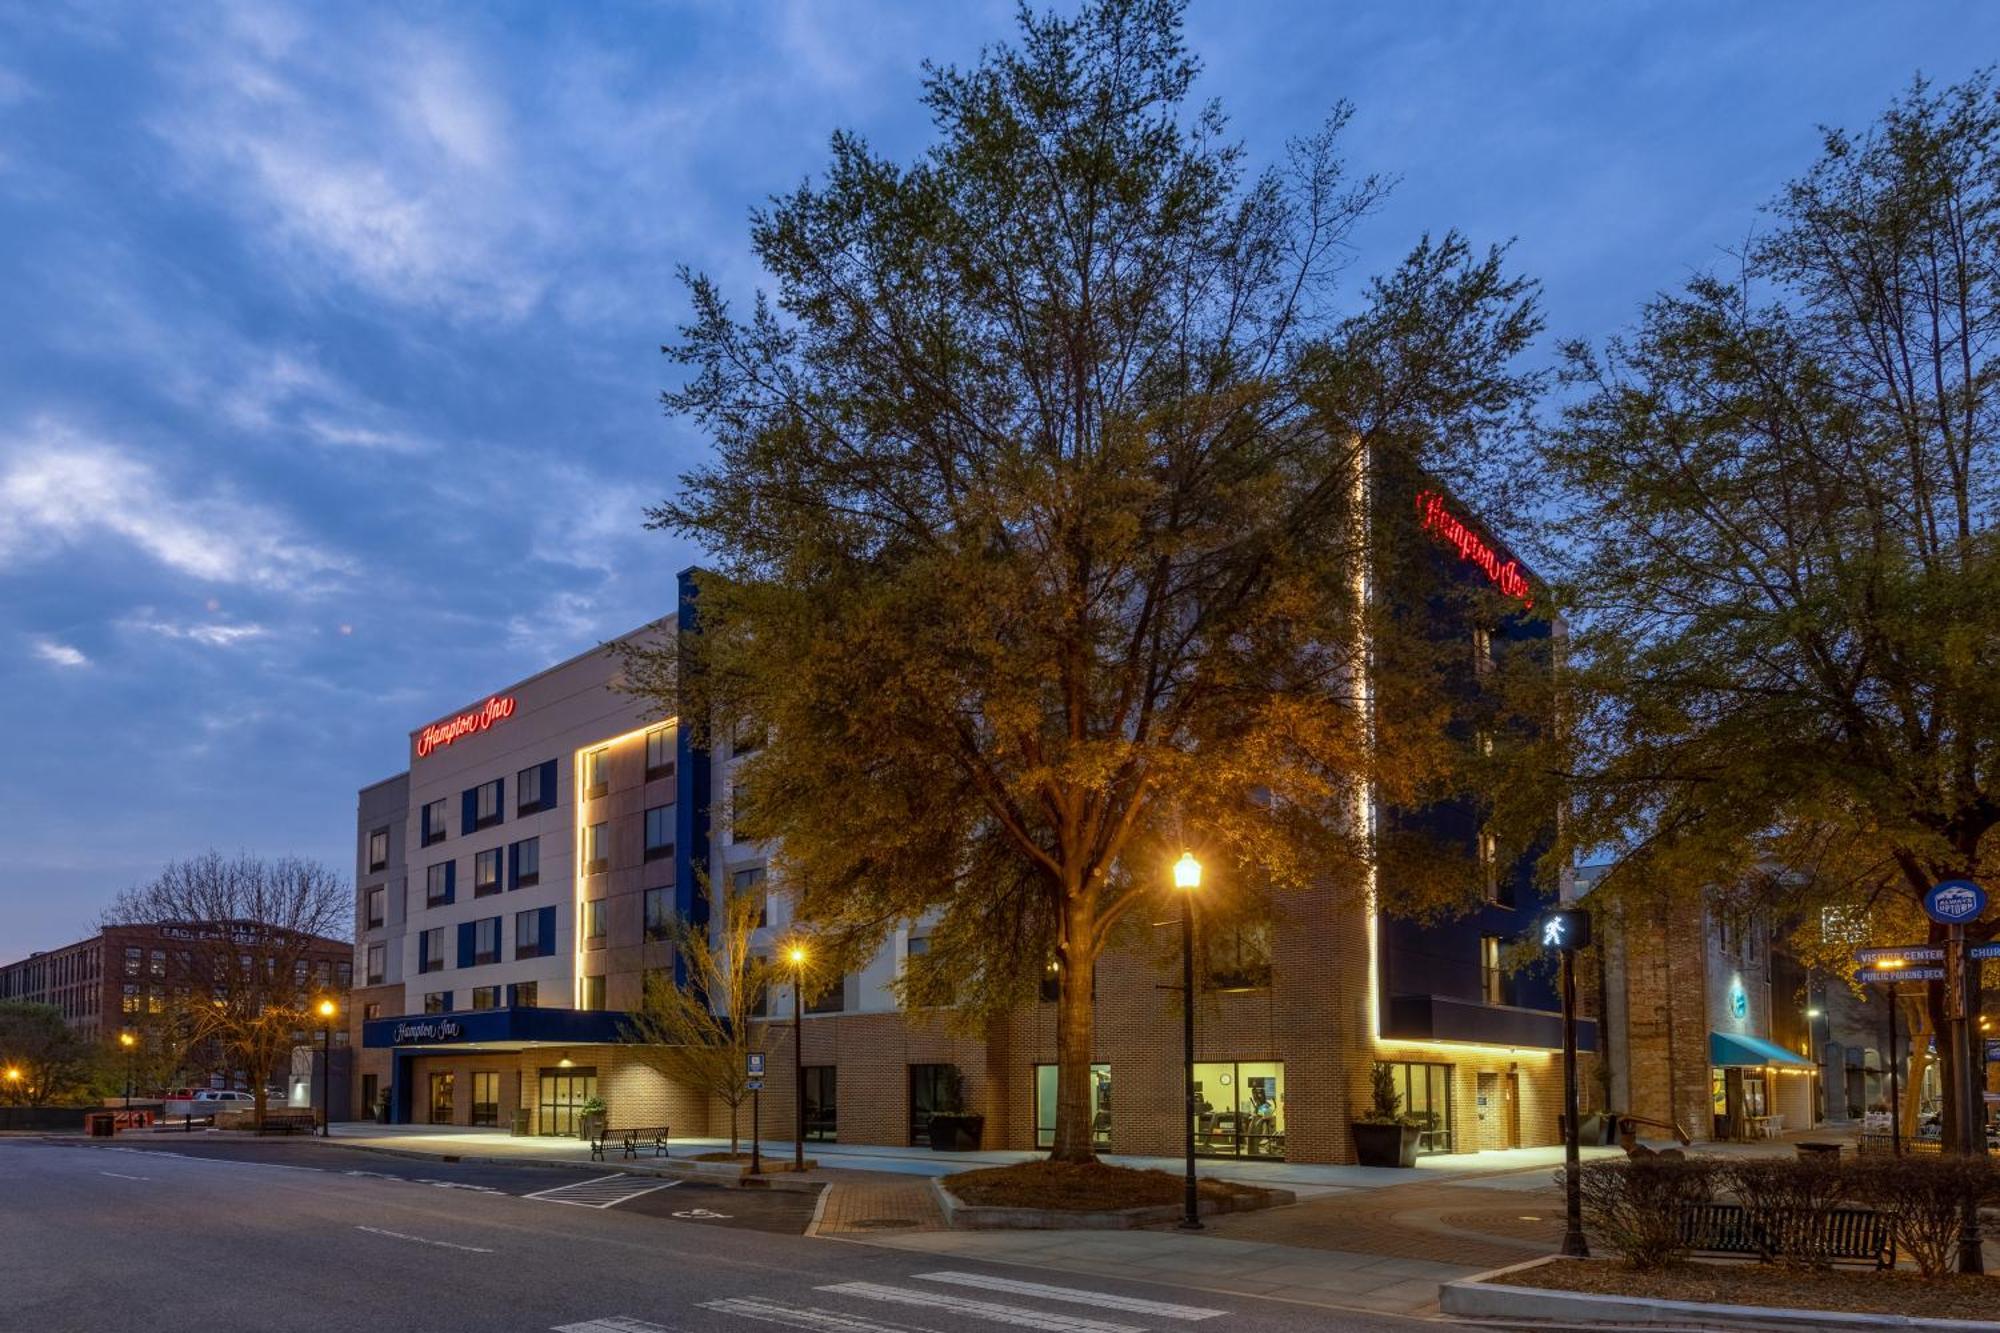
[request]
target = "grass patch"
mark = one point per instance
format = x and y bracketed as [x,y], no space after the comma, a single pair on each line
[1859,1290]
[1071,1187]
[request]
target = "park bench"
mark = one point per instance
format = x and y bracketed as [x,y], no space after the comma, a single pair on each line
[288,1122]
[631,1140]
[1840,1235]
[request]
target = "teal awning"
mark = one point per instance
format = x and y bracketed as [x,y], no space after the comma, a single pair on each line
[1727,1048]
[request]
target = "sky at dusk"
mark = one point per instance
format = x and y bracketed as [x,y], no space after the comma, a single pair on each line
[329,399]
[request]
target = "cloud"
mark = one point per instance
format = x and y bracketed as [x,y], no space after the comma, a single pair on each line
[59,654]
[211,634]
[62,490]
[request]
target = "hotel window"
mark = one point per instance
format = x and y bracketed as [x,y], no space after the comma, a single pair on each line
[659,914]
[593,919]
[437,1002]
[751,880]
[376,954]
[591,993]
[486,872]
[430,950]
[1239,959]
[371,1011]
[1482,650]
[433,825]
[378,906]
[482,806]
[440,883]
[535,788]
[378,850]
[597,773]
[659,753]
[821,1103]
[485,940]
[748,738]
[832,998]
[659,832]
[760,995]
[535,932]
[918,946]
[485,997]
[523,994]
[1492,981]
[596,849]
[1489,870]
[524,863]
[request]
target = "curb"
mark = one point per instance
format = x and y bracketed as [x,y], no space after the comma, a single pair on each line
[1484,1297]
[961,1216]
[732,1178]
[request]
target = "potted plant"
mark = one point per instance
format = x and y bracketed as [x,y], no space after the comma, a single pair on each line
[590,1118]
[1384,1135]
[952,1128]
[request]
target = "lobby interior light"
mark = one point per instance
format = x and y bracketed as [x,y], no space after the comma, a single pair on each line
[1187,872]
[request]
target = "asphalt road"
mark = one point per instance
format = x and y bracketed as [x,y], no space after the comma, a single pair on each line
[294,1238]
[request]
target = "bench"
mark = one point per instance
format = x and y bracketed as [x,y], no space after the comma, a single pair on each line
[289,1122]
[1840,1235]
[632,1140]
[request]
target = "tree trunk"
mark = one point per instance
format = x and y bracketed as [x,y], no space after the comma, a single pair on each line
[1948,1072]
[732,1128]
[1074,1140]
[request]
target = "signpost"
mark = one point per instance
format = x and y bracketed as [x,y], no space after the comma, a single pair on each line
[1890,976]
[753,1068]
[1566,931]
[1952,903]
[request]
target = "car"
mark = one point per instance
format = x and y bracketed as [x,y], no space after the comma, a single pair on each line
[203,1103]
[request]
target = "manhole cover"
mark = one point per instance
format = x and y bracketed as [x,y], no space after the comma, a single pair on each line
[886,1222]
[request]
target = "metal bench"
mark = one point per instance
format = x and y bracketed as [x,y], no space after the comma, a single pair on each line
[1840,1235]
[635,1139]
[288,1122]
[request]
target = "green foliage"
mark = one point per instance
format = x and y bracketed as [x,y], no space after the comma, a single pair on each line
[1038,513]
[54,1062]
[1385,1104]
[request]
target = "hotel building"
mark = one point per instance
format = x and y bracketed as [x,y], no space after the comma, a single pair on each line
[515,888]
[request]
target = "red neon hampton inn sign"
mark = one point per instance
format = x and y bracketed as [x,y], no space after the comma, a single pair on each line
[497,709]
[1506,575]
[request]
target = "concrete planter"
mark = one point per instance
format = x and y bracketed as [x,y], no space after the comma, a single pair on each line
[1489,1297]
[1386,1145]
[961,1216]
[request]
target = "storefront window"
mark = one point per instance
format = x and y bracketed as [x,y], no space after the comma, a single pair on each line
[1240,1109]
[1045,1106]
[1426,1093]
[822,1107]
[932,1088]
[443,1087]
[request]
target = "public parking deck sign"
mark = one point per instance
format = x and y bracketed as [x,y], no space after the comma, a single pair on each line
[1894,974]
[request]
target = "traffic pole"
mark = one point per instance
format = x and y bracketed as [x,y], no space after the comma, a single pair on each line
[1573,1243]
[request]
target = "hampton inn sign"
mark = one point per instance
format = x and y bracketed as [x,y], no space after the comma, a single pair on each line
[1505,575]
[497,709]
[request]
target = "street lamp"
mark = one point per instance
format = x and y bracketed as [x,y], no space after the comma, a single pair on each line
[13,1083]
[1187,879]
[1818,1054]
[131,1045]
[327,1009]
[797,955]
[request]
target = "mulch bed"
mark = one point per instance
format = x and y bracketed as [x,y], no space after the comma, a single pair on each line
[1769,1284]
[721,1157]
[1073,1187]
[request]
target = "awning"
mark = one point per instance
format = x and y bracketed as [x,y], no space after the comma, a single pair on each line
[1730,1048]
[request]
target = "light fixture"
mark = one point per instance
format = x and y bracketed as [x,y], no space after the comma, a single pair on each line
[1812,1013]
[1187,872]
[564,1062]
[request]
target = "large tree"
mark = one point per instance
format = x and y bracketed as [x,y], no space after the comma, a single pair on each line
[240,974]
[42,1058]
[1785,553]
[1039,511]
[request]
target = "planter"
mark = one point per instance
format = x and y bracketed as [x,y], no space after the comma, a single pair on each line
[1386,1145]
[955,1132]
[589,1126]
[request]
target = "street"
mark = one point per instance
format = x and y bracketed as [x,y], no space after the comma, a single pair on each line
[294,1237]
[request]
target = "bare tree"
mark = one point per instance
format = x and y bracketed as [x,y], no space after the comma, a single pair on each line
[245,928]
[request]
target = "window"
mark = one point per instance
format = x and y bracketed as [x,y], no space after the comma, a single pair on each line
[535,932]
[485,997]
[751,880]
[433,827]
[378,906]
[129,1002]
[437,1002]
[1426,1093]
[1482,650]
[524,863]
[591,993]
[593,920]
[1239,1109]
[659,753]
[134,960]
[919,945]
[376,954]
[483,936]
[485,1090]
[597,773]
[832,998]
[596,849]
[1493,982]
[739,811]
[370,1012]
[535,788]
[343,976]
[1489,870]
[933,1088]
[523,994]
[659,832]
[482,805]
[822,1111]
[659,914]
[1051,989]
[378,849]
[156,964]
[430,950]
[370,1084]
[486,872]
[440,883]
[1045,1106]
[1239,959]
[748,737]
[760,995]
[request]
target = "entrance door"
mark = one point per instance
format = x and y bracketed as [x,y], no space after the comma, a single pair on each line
[443,1088]
[1511,1091]
[562,1095]
[485,1098]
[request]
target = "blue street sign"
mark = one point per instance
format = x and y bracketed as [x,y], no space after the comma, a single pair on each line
[1978,951]
[1905,953]
[755,1062]
[1953,902]
[755,1085]
[1894,974]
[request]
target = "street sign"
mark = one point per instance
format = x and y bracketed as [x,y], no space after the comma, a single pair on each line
[1568,929]
[1891,975]
[1978,951]
[754,1061]
[755,1085]
[1905,953]
[1953,902]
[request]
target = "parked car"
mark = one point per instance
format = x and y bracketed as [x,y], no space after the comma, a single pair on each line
[203,1103]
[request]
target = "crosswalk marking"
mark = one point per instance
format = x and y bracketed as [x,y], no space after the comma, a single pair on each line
[814,1320]
[1075,1296]
[1019,1316]
[617,1323]
[603,1191]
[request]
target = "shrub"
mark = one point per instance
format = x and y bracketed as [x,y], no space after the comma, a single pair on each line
[1785,1198]
[1385,1104]
[1635,1205]
[1926,1199]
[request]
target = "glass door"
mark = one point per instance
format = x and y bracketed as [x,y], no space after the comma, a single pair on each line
[562,1095]
[443,1089]
[485,1098]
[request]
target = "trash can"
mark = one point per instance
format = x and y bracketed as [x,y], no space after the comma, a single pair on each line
[101,1124]
[520,1128]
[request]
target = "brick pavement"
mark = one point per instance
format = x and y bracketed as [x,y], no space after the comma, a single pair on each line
[865,1203]
[1488,1228]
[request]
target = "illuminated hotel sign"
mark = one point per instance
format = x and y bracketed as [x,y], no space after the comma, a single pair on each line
[1506,575]
[497,709]
[442,1029]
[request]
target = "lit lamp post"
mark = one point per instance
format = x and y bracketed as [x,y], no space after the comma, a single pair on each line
[1816,1054]
[326,1009]
[1566,931]
[13,1084]
[1187,879]
[131,1045]
[797,955]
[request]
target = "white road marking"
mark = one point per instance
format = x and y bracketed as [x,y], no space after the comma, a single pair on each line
[1019,1316]
[602,1191]
[122,1176]
[617,1323]
[1102,1300]
[702,1215]
[816,1321]
[440,1244]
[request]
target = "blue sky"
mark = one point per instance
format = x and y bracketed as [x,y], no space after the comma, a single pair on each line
[330,389]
